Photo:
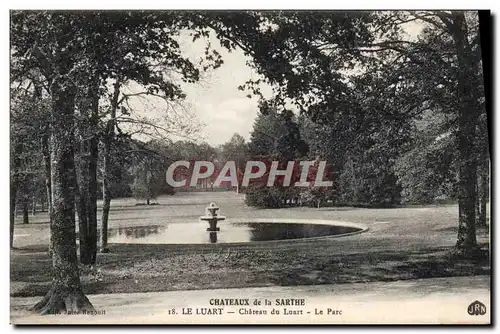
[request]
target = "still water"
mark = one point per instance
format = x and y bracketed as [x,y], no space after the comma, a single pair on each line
[195,233]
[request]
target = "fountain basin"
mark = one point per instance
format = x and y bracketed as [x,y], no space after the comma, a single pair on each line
[207,218]
[235,231]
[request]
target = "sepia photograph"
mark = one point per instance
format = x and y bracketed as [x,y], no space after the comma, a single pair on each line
[250,167]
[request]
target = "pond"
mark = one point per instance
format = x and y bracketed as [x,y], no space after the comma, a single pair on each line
[195,233]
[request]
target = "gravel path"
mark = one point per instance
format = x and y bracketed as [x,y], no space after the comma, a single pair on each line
[432,301]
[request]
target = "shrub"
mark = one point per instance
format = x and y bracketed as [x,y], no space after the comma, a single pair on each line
[313,197]
[261,196]
[365,183]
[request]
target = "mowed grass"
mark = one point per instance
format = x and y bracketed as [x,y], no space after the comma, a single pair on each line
[402,243]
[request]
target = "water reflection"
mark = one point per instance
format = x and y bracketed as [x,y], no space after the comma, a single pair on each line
[195,233]
[283,231]
[213,237]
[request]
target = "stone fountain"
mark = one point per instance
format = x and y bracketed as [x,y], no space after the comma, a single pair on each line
[212,217]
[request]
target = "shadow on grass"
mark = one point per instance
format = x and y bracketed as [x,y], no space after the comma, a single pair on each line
[155,269]
[31,249]
[386,266]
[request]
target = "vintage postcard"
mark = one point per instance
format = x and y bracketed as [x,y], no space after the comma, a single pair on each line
[250,167]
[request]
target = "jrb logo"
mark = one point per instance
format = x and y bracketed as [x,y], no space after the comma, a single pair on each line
[476,308]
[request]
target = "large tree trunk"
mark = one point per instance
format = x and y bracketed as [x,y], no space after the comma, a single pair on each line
[106,202]
[483,192]
[92,173]
[33,205]
[66,293]
[86,171]
[14,185]
[48,182]
[81,209]
[476,204]
[467,120]
[106,193]
[26,202]
[483,168]
[13,194]
[81,183]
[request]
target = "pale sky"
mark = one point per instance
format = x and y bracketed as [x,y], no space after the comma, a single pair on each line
[216,100]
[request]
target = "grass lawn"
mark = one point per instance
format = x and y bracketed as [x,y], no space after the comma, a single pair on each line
[401,243]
